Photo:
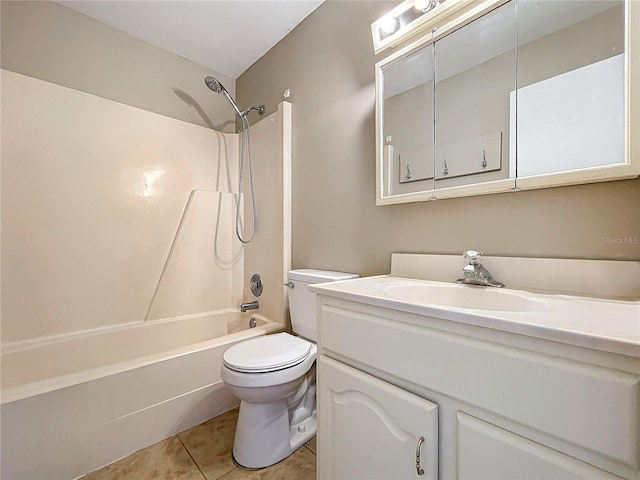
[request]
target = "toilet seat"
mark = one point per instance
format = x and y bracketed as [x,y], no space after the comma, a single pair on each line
[269,353]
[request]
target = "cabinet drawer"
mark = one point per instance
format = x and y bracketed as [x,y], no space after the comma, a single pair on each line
[586,405]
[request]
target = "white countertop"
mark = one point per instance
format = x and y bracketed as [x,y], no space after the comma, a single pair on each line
[602,324]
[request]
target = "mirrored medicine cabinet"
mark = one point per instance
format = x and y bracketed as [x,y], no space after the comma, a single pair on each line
[511,95]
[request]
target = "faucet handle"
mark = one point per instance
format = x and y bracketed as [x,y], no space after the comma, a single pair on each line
[474,257]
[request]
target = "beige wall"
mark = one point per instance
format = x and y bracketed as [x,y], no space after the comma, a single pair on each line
[327,61]
[45,40]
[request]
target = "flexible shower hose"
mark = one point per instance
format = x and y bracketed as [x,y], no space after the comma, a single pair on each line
[245,148]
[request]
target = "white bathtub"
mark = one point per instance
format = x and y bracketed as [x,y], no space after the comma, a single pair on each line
[74,403]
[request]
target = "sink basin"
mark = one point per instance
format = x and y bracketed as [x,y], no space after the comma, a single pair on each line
[462,296]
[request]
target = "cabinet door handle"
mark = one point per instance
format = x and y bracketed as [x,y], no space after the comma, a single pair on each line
[419,469]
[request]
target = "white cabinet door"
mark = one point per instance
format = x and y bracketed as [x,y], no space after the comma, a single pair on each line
[369,429]
[487,452]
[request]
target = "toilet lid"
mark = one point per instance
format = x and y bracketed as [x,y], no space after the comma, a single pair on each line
[267,354]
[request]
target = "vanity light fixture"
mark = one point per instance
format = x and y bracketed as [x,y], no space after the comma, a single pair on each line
[389,25]
[409,18]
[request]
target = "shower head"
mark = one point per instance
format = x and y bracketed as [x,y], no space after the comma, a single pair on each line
[217,87]
[213,84]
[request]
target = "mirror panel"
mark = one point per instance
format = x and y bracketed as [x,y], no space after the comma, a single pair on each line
[513,95]
[570,98]
[475,69]
[408,123]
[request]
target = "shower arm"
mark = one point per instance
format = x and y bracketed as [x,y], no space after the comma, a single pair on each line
[259,109]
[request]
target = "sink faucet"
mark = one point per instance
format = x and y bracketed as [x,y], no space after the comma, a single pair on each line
[249,306]
[475,273]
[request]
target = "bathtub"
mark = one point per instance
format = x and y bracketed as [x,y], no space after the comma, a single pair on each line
[74,403]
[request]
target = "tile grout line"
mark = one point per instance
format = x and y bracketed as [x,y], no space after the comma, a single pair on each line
[306,445]
[191,457]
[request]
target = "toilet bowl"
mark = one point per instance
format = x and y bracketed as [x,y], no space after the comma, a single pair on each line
[274,378]
[277,404]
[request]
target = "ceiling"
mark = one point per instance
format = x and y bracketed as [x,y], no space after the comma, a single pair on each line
[227,36]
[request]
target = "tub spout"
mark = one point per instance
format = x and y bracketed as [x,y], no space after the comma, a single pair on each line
[249,306]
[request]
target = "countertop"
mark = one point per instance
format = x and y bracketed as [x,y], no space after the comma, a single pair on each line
[602,324]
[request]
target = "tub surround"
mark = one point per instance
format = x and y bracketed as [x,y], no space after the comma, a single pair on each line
[270,252]
[202,271]
[120,202]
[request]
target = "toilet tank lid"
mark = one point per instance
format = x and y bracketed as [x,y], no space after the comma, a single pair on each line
[310,275]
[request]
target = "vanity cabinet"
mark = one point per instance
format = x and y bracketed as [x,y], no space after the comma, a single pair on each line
[509,406]
[372,429]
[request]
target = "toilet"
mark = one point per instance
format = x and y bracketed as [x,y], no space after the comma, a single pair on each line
[274,378]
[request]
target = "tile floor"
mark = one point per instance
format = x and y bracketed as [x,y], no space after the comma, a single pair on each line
[204,453]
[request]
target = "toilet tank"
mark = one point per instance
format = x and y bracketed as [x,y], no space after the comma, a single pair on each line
[302,303]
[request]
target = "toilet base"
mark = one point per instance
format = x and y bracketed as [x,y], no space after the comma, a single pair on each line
[264,436]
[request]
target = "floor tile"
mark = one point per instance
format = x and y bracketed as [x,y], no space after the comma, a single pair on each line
[167,460]
[311,445]
[299,466]
[211,442]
